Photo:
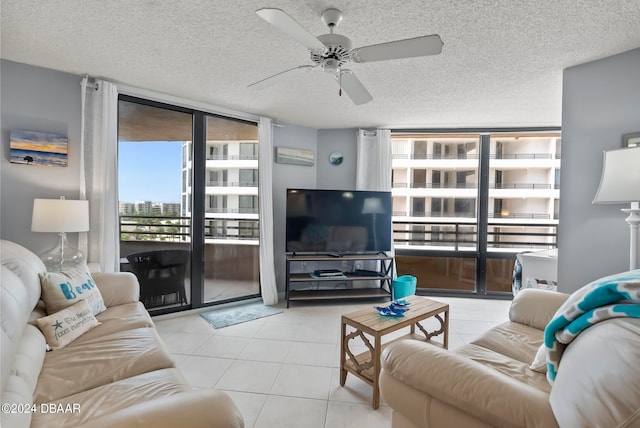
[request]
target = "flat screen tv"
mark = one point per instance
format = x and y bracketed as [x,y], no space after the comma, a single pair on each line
[338,221]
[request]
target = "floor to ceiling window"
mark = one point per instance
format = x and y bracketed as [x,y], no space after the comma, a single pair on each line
[465,204]
[188,204]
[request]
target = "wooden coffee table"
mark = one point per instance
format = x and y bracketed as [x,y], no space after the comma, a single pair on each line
[369,322]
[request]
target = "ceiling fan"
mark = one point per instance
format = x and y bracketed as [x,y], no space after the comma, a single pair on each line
[331,52]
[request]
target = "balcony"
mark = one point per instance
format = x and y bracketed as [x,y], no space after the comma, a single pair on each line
[231,254]
[443,255]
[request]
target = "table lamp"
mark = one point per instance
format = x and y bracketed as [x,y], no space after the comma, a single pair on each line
[620,184]
[60,216]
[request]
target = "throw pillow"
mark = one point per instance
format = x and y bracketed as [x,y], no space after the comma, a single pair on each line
[67,325]
[539,363]
[62,289]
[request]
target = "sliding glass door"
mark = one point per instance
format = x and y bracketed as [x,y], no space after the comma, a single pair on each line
[188,200]
[231,224]
[465,205]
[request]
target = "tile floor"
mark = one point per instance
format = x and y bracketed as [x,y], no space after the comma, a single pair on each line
[283,370]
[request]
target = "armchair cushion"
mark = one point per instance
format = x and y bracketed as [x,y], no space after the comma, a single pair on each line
[467,385]
[535,307]
[117,288]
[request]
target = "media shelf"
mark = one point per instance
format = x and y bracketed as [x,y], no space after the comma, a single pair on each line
[342,287]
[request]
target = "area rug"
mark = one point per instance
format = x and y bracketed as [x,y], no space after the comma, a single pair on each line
[238,314]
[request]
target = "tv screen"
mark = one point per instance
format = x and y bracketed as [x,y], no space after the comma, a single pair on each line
[338,221]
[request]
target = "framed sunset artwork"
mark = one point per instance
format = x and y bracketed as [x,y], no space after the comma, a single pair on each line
[38,148]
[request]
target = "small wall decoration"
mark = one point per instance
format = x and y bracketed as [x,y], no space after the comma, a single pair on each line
[38,148]
[336,158]
[631,140]
[295,156]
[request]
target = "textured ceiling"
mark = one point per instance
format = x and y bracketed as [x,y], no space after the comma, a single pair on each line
[501,63]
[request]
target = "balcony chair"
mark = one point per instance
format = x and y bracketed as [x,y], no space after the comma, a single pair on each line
[161,275]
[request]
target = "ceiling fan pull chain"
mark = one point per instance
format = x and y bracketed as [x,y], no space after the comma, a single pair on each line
[340,83]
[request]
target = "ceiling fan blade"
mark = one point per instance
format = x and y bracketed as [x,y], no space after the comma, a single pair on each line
[283,22]
[276,78]
[408,48]
[353,87]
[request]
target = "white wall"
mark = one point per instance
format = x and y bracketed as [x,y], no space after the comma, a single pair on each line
[42,100]
[600,103]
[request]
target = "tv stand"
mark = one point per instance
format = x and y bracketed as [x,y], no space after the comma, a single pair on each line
[306,286]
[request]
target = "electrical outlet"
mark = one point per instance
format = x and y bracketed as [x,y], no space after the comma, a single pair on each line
[344,264]
[303,264]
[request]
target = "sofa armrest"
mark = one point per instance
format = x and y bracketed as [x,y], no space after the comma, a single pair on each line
[192,409]
[535,307]
[467,385]
[117,288]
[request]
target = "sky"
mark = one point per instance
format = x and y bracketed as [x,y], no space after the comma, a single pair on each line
[150,171]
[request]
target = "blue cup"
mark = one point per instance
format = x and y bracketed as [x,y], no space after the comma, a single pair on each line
[403,286]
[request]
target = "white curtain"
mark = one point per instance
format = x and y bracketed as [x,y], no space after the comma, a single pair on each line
[373,168]
[99,173]
[267,270]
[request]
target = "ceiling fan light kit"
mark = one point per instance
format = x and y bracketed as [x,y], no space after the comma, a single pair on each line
[332,51]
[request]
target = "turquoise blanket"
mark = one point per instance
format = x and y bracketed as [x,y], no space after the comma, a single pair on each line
[610,297]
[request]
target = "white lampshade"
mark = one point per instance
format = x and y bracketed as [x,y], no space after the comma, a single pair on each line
[620,182]
[60,215]
[372,206]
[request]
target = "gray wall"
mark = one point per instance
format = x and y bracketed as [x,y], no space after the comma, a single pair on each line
[289,176]
[42,100]
[601,101]
[343,176]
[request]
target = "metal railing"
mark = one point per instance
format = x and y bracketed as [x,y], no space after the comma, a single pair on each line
[178,228]
[433,156]
[232,157]
[457,235]
[232,183]
[465,156]
[232,210]
[422,185]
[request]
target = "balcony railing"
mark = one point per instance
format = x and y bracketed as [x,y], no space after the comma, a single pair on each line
[521,156]
[456,156]
[519,186]
[232,210]
[178,229]
[436,214]
[232,157]
[232,183]
[458,235]
[420,185]
[433,214]
[425,156]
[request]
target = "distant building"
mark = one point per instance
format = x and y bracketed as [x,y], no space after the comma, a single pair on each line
[168,208]
[435,189]
[231,202]
[144,207]
[126,208]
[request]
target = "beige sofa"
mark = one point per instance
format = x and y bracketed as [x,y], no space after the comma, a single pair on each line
[119,374]
[488,382]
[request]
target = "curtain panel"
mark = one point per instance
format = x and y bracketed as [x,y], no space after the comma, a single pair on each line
[373,167]
[99,173]
[265,156]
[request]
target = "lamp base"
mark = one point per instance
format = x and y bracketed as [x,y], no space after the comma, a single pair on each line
[62,256]
[634,221]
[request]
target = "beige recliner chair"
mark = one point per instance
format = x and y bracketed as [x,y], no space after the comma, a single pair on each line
[489,383]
